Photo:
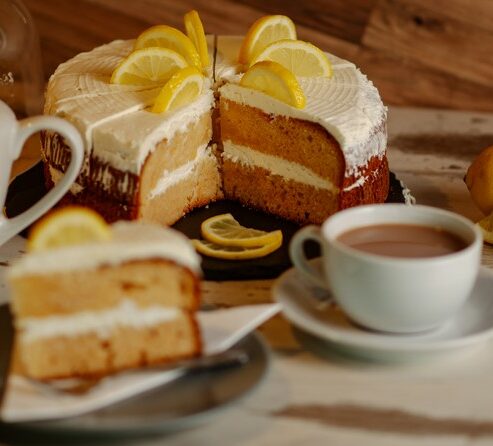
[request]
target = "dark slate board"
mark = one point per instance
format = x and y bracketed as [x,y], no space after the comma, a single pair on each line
[28,187]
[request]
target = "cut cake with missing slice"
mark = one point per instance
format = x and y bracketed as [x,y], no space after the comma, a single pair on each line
[231,142]
[93,309]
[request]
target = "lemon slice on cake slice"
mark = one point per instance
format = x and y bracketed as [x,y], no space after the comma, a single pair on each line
[168,37]
[274,80]
[183,88]
[195,32]
[225,230]
[262,33]
[148,66]
[72,225]
[301,58]
[234,252]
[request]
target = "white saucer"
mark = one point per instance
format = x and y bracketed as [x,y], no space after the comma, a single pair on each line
[472,325]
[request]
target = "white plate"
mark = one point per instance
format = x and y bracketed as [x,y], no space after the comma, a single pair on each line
[301,304]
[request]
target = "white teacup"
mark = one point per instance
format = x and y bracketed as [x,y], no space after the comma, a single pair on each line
[13,135]
[393,294]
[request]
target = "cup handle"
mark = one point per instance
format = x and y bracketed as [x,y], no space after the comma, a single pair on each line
[297,254]
[26,127]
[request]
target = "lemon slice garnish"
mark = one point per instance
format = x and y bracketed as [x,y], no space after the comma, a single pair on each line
[168,37]
[183,87]
[234,252]
[263,32]
[226,231]
[195,31]
[486,226]
[148,66]
[68,226]
[273,79]
[301,58]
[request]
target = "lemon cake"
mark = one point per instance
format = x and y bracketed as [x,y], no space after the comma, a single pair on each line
[302,164]
[95,308]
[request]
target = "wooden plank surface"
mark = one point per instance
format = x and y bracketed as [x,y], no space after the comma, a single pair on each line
[417,52]
[433,36]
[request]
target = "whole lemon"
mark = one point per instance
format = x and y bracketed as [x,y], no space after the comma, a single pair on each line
[479,180]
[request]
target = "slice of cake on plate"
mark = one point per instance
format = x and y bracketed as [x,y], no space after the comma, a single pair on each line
[116,301]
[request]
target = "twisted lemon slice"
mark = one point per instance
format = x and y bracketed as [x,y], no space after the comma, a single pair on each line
[148,66]
[273,79]
[168,37]
[225,230]
[301,58]
[263,32]
[195,31]
[183,87]
[234,252]
[68,226]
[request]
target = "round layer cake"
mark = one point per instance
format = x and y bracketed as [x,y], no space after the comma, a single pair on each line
[231,142]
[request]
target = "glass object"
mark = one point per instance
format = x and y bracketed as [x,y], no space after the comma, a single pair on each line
[21,72]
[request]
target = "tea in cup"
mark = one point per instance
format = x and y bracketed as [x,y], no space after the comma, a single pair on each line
[394,267]
[13,134]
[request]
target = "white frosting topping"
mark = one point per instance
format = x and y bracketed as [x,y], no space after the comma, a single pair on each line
[226,62]
[126,142]
[101,322]
[185,171]
[276,166]
[129,241]
[113,119]
[347,105]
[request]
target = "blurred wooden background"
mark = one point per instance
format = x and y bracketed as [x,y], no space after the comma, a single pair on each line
[434,53]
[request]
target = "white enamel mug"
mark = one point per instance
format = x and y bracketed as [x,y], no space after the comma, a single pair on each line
[13,135]
[392,294]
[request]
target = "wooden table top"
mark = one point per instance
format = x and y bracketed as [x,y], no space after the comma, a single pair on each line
[327,398]
[322,397]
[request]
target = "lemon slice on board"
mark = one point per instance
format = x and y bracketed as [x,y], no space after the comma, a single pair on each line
[183,87]
[226,231]
[148,66]
[301,58]
[195,31]
[263,32]
[72,225]
[273,79]
[168,37]
[486,226]
[234,252]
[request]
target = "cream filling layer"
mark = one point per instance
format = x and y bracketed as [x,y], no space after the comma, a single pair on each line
[170,178]
[276,166]
[102,322]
